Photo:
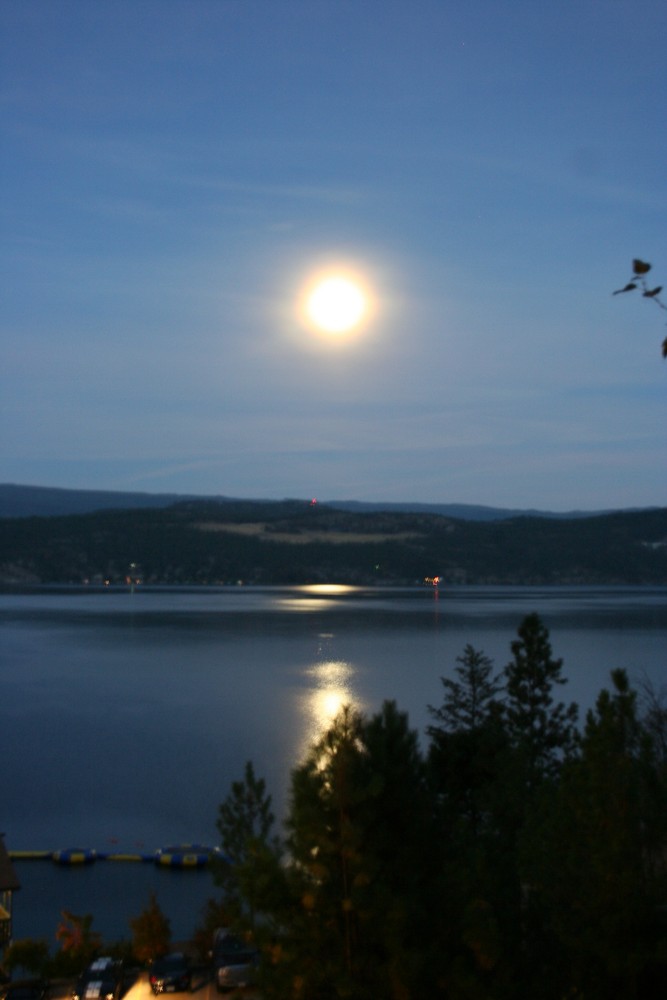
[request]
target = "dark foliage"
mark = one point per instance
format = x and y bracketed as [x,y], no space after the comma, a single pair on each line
[292,542]
[511,858]
[640,268]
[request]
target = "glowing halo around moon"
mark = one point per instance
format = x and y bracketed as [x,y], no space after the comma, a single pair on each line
[336,304]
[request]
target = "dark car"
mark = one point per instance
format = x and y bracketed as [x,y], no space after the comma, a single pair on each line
[170,974]
[23,989]
[102,980]
[234,962]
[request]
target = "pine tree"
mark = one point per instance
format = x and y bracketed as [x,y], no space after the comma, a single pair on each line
[470,700]
[466,741]
[245,823]
[468,760]
[541,735]
[362,877]
[600,879]
[541,730]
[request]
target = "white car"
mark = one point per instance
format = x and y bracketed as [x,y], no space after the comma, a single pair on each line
[234,962]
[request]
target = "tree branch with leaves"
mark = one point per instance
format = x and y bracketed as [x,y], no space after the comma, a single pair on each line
[638,280]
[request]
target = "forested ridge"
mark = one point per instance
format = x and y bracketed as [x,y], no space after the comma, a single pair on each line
[293,542]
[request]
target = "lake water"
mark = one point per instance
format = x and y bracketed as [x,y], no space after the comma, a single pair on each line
[125,716]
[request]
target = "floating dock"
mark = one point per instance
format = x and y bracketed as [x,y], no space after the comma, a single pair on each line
[186,856]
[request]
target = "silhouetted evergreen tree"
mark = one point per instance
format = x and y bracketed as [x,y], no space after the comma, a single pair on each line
[467,744]
[250,851]
[401,907]
[465,740]
[517,858]
[354,912]
[601,879]
[541,730]
[498,742]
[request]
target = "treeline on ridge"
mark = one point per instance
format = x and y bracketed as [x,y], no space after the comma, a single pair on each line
[295,542]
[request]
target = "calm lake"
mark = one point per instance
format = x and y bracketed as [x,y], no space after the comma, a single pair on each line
[125,716]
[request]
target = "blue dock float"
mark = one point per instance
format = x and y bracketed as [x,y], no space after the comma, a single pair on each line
[185,856]
[75,856]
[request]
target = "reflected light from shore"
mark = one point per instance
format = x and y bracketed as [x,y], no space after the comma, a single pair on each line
[328,589]
[314,596]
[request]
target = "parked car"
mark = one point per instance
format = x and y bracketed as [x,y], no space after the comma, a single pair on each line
[23,989]
[234,962]
[102,980]
[170,974]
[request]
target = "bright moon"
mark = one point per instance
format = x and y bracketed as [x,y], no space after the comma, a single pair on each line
[336,304]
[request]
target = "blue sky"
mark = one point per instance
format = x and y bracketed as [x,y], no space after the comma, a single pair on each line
[174,173]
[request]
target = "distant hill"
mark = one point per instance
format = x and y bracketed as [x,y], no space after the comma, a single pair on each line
[464,511]
[46,501]
[220,542]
